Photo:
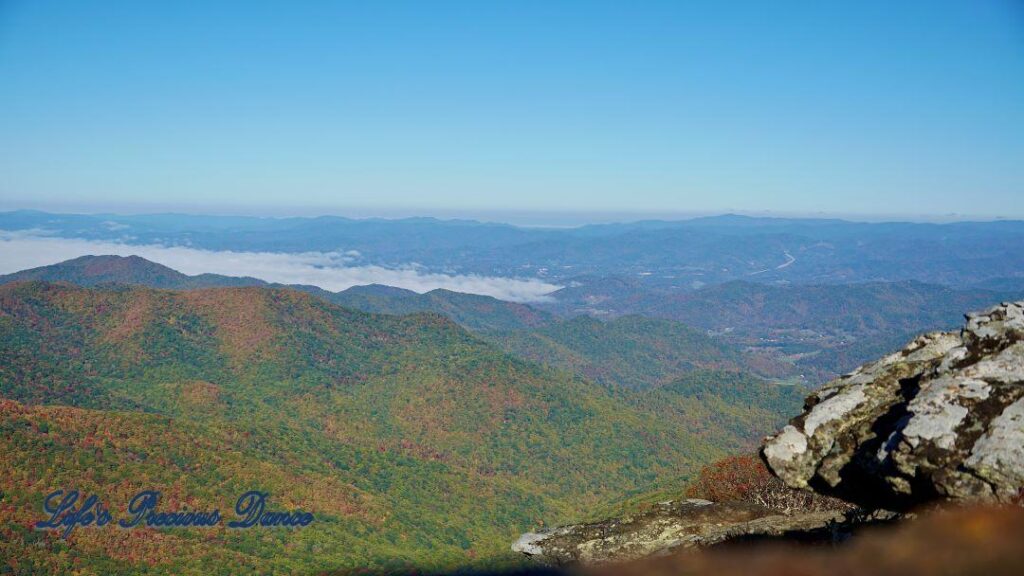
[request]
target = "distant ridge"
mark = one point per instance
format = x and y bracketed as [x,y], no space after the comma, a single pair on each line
[632,352]
[132,270]
[667,255]
[473,311]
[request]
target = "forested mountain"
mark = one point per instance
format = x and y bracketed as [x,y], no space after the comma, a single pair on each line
[821,330]
[476,312]
[630,351]
[794,330]
[131,270]
[412,441]
[748,306]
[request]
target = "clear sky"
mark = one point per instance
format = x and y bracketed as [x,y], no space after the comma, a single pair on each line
[857,107]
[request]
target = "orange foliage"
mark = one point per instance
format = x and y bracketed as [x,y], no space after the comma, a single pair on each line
[731,478]
[241,318]
[746,479]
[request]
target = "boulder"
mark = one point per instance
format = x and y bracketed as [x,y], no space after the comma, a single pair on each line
[664,528]
[942,419]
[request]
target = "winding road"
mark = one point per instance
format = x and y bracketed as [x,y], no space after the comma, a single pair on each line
[789,262]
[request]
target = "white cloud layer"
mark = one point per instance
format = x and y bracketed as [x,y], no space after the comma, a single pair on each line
[329,270]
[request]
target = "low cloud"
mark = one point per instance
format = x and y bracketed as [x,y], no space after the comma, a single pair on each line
[332,271]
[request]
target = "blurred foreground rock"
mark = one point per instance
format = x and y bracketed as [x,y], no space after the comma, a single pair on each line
[665,528]
[952,542]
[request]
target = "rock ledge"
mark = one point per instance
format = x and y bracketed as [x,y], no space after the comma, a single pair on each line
[665,527]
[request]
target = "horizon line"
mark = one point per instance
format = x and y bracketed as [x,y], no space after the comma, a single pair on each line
[521,218]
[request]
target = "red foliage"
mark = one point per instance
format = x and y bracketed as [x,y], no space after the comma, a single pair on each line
[746,479]
[729,479]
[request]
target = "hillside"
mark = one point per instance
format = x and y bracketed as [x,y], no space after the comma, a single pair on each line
[133,270]
[633,352]
[475,312]
[813,332]
[414,442]
[820,330]
[746,306]
[630,351]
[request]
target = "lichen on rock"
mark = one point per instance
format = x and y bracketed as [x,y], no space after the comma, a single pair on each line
[941,419]
[664,528]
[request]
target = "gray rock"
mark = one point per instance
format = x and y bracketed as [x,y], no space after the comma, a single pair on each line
[663,528]
[941,419]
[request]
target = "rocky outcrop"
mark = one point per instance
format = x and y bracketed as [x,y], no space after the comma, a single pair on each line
[664,528]
[942,419]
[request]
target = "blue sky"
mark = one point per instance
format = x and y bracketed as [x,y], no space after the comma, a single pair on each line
[864,107]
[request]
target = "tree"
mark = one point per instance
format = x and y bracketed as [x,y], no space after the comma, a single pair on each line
[746,479]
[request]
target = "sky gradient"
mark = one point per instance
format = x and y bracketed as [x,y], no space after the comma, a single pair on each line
[911,107]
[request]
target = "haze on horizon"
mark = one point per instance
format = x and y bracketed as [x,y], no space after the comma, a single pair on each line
[537,113]
[520,218]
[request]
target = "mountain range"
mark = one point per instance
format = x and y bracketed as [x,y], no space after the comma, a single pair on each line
[808,332]
[481,313]
[412,441]
[425,430]
[820,330]
[667,256]
[634,352]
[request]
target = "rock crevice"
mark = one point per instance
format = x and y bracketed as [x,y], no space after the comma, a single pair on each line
[941,419]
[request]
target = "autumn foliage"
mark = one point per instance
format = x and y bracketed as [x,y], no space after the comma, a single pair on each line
[746,479]
[412,441]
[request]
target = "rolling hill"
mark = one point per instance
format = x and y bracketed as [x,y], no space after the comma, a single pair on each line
[634,352]
[475,312]
[412,441]
[821,330]
[812,331]
[131,270]
[629,351]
